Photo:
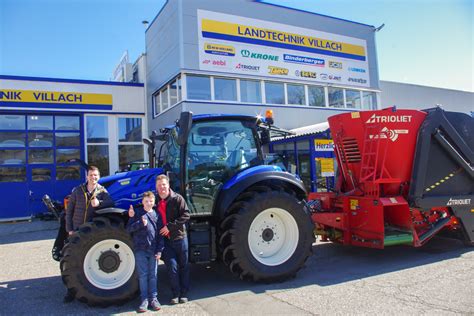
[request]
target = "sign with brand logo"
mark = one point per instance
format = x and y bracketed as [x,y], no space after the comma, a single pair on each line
[277,71]
[217,49]
[335,64]
[359,80]
[389,119]
[54,99]
[458,202]
[303,60]
[273,49]
[247,67]
[248,54]
[323,145]
[305,74]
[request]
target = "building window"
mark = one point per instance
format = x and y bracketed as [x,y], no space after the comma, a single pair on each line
[9,122]
[250,91]
[353,99]
[336,97]
[68,123]
[130,146]
[97,134]
[164,99]
[156,104]
[173,93]
[36,122]
[275,92]
[295,94]
[225,89]
[198,87]
[369,100]
[316,96]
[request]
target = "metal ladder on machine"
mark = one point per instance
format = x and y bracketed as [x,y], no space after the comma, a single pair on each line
[373,173]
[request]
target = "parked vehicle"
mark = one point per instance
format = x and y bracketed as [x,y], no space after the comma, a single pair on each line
[250,215]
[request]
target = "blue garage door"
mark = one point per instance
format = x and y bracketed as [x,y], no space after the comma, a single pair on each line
[35,150]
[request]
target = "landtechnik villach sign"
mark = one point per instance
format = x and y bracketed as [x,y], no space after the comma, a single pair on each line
[54,99]
[239,45]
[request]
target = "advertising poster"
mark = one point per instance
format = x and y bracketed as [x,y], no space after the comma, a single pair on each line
[238,45]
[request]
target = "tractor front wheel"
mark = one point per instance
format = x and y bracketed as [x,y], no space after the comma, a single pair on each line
[268,235]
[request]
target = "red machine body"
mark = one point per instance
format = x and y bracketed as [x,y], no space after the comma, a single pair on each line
[375,152]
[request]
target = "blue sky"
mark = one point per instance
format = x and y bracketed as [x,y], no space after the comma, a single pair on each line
[427,42]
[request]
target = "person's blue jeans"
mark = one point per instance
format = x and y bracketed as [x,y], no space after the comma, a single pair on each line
[175,256]
[146,264]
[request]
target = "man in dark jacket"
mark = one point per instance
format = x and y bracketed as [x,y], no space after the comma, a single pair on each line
[83,201]
[175,214]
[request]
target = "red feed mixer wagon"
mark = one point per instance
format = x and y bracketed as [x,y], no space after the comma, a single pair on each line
[403,176]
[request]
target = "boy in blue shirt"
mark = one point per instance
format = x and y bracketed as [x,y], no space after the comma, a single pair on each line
[148,246]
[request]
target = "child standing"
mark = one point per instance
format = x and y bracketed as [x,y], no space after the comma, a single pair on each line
[148,244]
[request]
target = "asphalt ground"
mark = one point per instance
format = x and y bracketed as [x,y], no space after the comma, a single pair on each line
[437,279]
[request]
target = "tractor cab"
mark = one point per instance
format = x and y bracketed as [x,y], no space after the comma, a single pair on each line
[203,152]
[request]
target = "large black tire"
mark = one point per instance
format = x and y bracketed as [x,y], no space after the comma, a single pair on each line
[98,265]
[267,236]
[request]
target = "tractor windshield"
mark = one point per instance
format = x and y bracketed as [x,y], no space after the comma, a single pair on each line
[217,150]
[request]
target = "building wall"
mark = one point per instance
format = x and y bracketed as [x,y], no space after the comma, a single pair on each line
[411,96]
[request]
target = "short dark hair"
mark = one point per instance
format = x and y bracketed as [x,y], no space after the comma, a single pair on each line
[93,168]
[162,177]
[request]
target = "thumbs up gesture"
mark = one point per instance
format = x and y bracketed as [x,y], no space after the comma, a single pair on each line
[131,211]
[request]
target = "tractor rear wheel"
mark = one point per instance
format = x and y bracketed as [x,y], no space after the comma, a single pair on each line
[98,265]
[268,235]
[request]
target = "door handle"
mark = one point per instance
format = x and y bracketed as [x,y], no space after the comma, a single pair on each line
[31,193]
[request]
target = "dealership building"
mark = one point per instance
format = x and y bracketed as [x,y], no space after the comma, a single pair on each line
[226,57]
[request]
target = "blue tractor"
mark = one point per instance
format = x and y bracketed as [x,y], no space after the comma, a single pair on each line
[248,214]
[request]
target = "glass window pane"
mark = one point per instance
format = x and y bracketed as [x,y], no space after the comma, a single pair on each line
[70,123]
[173,93]
[128,154]
[40,139]
[157,103]
[12,156]
[12,139]
[39,122]
[353,99]
[164,99]
[316,96]
[68,140]
[275,92]
[180,93]
[12,174]
[295,94]
[63,155]
[98,155]
[336,97]
[68,173]
[40,174]
[250,91]
[97,129]
[369,100]
[40,156]
[287,152]
[225,89]
[199,87]
[12,122]
[130,129]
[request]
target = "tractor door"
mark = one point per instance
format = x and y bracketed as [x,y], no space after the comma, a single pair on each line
[216,150]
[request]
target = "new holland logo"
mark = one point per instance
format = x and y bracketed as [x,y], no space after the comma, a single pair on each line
[216,49]
[277,71]
[458,202]
[389,119]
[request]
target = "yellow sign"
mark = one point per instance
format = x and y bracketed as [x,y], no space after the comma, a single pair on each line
[323,145]
[354,204]
[250,34]
[277,71]
[33,96]
[217,49]
[326,165]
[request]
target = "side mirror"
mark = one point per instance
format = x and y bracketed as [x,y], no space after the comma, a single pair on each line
[265,137]
[185,123]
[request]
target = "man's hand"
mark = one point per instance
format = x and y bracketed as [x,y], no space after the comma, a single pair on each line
[95,202]
[164,231]
[70,233]
[145,222]
[131,211]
